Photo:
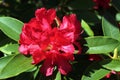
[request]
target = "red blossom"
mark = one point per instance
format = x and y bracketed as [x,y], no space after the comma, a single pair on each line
[101,4]
[50,43]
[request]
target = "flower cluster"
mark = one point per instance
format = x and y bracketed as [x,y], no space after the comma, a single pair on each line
[48,39]
[101,4]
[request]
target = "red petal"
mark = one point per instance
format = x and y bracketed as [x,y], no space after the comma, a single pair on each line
[63,65]
[24,49]
[38,56]
[49,15]
[47,67]
[69,56]
[28,49]
[77,44]
[68,49]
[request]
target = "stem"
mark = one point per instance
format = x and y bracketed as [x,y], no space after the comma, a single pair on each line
[115,55]
[110,56]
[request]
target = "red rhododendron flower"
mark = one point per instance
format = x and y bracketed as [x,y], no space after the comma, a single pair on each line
[48,39]
[101,4]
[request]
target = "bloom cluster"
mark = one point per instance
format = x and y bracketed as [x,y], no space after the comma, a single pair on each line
[48,39]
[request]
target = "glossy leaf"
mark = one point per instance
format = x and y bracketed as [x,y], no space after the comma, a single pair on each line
[11,27]
[94,72]
[118,48]
[118,16]
[110,27]
[87,28]
[113,64]
[9,48]
[14,65]
[58,76]
[101,44]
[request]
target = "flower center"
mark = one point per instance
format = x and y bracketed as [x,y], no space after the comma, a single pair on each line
[48,48]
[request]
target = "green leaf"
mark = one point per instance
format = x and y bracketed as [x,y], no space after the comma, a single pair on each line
[9,48]
[113,64]
[87,28]
[110,27]
[36,72]
[11,27]
[100,44]
[58,76]
[118,16]
[94,72]
[118,50]
[6,40]
[14,65]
